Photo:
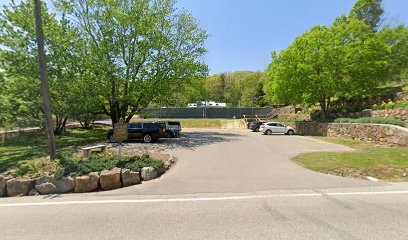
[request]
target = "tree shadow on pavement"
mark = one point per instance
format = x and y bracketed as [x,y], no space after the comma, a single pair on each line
[188,140]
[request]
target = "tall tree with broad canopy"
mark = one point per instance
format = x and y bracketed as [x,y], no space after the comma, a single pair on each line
[397,40]
[345,60]
[19,60]
[369,11]
[137,51]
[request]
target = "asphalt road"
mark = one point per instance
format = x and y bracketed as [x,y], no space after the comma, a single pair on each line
[226,185]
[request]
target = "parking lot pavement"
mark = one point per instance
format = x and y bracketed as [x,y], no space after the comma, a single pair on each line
[226,185]
[224,161]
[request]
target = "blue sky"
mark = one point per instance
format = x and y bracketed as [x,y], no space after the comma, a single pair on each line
[243,33]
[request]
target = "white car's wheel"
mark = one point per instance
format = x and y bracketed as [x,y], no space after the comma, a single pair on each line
[291,132]
[268,132]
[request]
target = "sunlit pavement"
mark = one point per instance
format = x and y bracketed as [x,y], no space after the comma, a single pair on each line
[225,185]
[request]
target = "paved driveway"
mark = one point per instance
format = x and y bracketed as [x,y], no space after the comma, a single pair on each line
[227,161]
[226,185]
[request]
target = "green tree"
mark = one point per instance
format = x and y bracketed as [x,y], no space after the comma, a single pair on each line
[345,60]
[397,41]
[369,11]
[138,51]
[214,88]
[18,58]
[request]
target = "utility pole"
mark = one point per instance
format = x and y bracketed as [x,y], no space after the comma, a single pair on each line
[44,84]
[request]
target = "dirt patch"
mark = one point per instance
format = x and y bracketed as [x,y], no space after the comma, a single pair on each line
[154,155]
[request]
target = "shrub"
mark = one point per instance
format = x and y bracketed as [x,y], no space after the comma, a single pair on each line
[72,165]
[391,105]
[23,170]
[392,121]
[401,105]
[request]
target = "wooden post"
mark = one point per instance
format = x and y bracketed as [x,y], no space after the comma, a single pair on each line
[44,84]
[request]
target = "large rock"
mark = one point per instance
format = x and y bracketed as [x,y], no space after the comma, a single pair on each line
[46,188]
[87,183]
[19,186]
[33,192]
[148,173]
[130,178]
[3,186]
[110,179]
[160,171]
[63,185]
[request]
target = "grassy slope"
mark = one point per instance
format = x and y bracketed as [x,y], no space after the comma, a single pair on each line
[26,146]
[368,160]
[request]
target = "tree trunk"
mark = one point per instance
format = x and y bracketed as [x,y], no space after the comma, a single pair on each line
[325,107]
[60,126]
[52,147]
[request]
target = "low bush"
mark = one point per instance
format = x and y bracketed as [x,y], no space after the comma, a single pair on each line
[392,121]
[391,105]
[401,105]
[72,165]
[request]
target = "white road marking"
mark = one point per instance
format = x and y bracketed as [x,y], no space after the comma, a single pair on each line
[204,199]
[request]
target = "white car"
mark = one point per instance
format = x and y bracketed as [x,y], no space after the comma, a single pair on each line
[274,127]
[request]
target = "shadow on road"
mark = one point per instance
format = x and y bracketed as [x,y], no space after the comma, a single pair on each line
[188,140]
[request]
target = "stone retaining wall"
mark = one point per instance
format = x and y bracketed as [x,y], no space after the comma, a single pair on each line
[376,133]
[106,180]
[391,113]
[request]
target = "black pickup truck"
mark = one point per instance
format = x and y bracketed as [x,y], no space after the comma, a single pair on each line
[172,129]
[147,131]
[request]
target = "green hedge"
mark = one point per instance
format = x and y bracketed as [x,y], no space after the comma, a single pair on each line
[392,121]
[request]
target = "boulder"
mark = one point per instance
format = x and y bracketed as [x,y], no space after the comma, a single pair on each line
[87,183]
[110,179]
[3,186]
[160,171]
[148,173]
[130,178]
[33,192]
[63,185]
[46,188]
[19,186]
[167,165]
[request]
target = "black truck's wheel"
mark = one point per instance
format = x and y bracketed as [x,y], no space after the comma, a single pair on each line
[147,138]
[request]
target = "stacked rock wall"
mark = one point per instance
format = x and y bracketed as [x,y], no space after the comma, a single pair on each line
[376,133]
[391,113]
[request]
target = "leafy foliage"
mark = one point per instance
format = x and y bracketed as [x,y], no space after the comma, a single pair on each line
[391,105]
[345,60]
[70,165]
[369,11]
[18,58]
[137,51]
[240,88]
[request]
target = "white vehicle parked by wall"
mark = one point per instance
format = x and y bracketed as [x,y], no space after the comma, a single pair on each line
[274,127]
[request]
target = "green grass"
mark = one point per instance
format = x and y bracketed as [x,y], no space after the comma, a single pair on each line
[387,163]
[392,121]
[23,147]
[370,157]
